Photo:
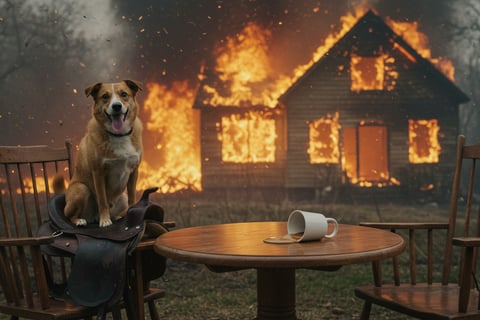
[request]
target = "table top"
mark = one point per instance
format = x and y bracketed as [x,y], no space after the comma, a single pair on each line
[241,245]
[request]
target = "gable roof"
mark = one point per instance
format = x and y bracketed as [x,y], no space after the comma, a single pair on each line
[373,25]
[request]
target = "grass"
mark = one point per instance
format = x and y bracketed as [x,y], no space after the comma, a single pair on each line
[194,292]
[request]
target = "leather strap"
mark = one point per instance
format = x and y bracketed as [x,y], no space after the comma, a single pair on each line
[99,268]
[98,272]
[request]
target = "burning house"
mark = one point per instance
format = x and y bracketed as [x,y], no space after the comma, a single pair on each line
[369,112]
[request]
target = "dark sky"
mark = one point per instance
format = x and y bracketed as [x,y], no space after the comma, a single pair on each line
[166,41]
[179,36]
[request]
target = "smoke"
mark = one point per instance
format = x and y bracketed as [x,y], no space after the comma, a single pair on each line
[60,47]
[105,34]
[52,51]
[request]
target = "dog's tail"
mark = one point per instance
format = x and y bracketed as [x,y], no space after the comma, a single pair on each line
[58,184]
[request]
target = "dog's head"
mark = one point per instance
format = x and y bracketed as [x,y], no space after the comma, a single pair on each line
[115,105]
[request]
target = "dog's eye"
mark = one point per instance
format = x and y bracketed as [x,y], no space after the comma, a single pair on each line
[105,96]
[124,94]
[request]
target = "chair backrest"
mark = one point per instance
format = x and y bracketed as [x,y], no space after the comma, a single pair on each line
[26,174]
[429,244]
[463,219]
[452,298]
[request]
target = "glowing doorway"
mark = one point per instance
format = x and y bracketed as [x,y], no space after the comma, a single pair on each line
[365,154]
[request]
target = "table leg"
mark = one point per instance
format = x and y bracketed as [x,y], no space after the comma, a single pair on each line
[276,294]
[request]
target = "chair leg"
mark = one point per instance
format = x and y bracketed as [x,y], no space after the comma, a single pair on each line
[102,314]
[138,286]
[367,307]
[116,313]
[153,310]
[129,306]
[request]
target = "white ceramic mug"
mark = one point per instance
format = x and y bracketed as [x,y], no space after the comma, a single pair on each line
[307,226]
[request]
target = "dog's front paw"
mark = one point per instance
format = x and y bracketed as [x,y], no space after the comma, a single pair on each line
[105,222]
[79,222]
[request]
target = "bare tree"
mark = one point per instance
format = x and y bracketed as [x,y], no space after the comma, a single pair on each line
[39,46]
[37,36]
[465,37]
[51,50]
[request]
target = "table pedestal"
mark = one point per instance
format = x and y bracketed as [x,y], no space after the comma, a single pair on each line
[236,246]
[276,294]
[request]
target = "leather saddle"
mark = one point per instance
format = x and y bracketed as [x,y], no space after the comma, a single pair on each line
[100,264]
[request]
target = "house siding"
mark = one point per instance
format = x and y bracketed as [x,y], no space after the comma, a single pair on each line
[419,92]
[219,174]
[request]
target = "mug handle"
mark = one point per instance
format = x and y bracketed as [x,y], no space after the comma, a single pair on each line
[335,229]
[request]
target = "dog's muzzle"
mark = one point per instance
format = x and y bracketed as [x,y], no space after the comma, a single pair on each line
[117,118]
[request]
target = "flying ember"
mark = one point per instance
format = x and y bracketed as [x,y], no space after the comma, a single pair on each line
[243,76]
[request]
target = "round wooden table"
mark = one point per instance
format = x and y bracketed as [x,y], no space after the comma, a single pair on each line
[234,246]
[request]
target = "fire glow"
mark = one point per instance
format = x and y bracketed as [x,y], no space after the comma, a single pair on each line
[423,146]
[245,78]
[175,161]
[248,138]
[243,66]
[324,140]
[372,73]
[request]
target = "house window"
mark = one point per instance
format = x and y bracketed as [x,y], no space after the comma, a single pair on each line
[248,138]
[365,154]
[367,73]
[323,140]
[423,145]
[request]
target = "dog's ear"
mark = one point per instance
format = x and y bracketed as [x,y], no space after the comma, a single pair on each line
[93,90]
[134,85]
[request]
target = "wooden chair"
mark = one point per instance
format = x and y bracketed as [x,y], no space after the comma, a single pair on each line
[25,189]
[452,298]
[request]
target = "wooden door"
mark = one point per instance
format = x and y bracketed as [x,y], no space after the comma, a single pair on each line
[365,153]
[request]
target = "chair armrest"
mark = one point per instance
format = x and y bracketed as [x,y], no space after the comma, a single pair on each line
[145,244]
[169,224]
[26,241]
[466,241]
[406,225]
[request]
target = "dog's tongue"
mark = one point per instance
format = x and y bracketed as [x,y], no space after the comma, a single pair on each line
[117,123]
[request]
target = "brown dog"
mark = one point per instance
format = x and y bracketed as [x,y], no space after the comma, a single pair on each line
[108,157]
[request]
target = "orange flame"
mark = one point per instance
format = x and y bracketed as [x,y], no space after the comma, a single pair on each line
[423,144]
[364,157]
[244,67]
[248,138]
[324,140]
[172,127]
[367,73]
[39,184]
[372,73]
[347,22]
[419,41]
[247,78]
